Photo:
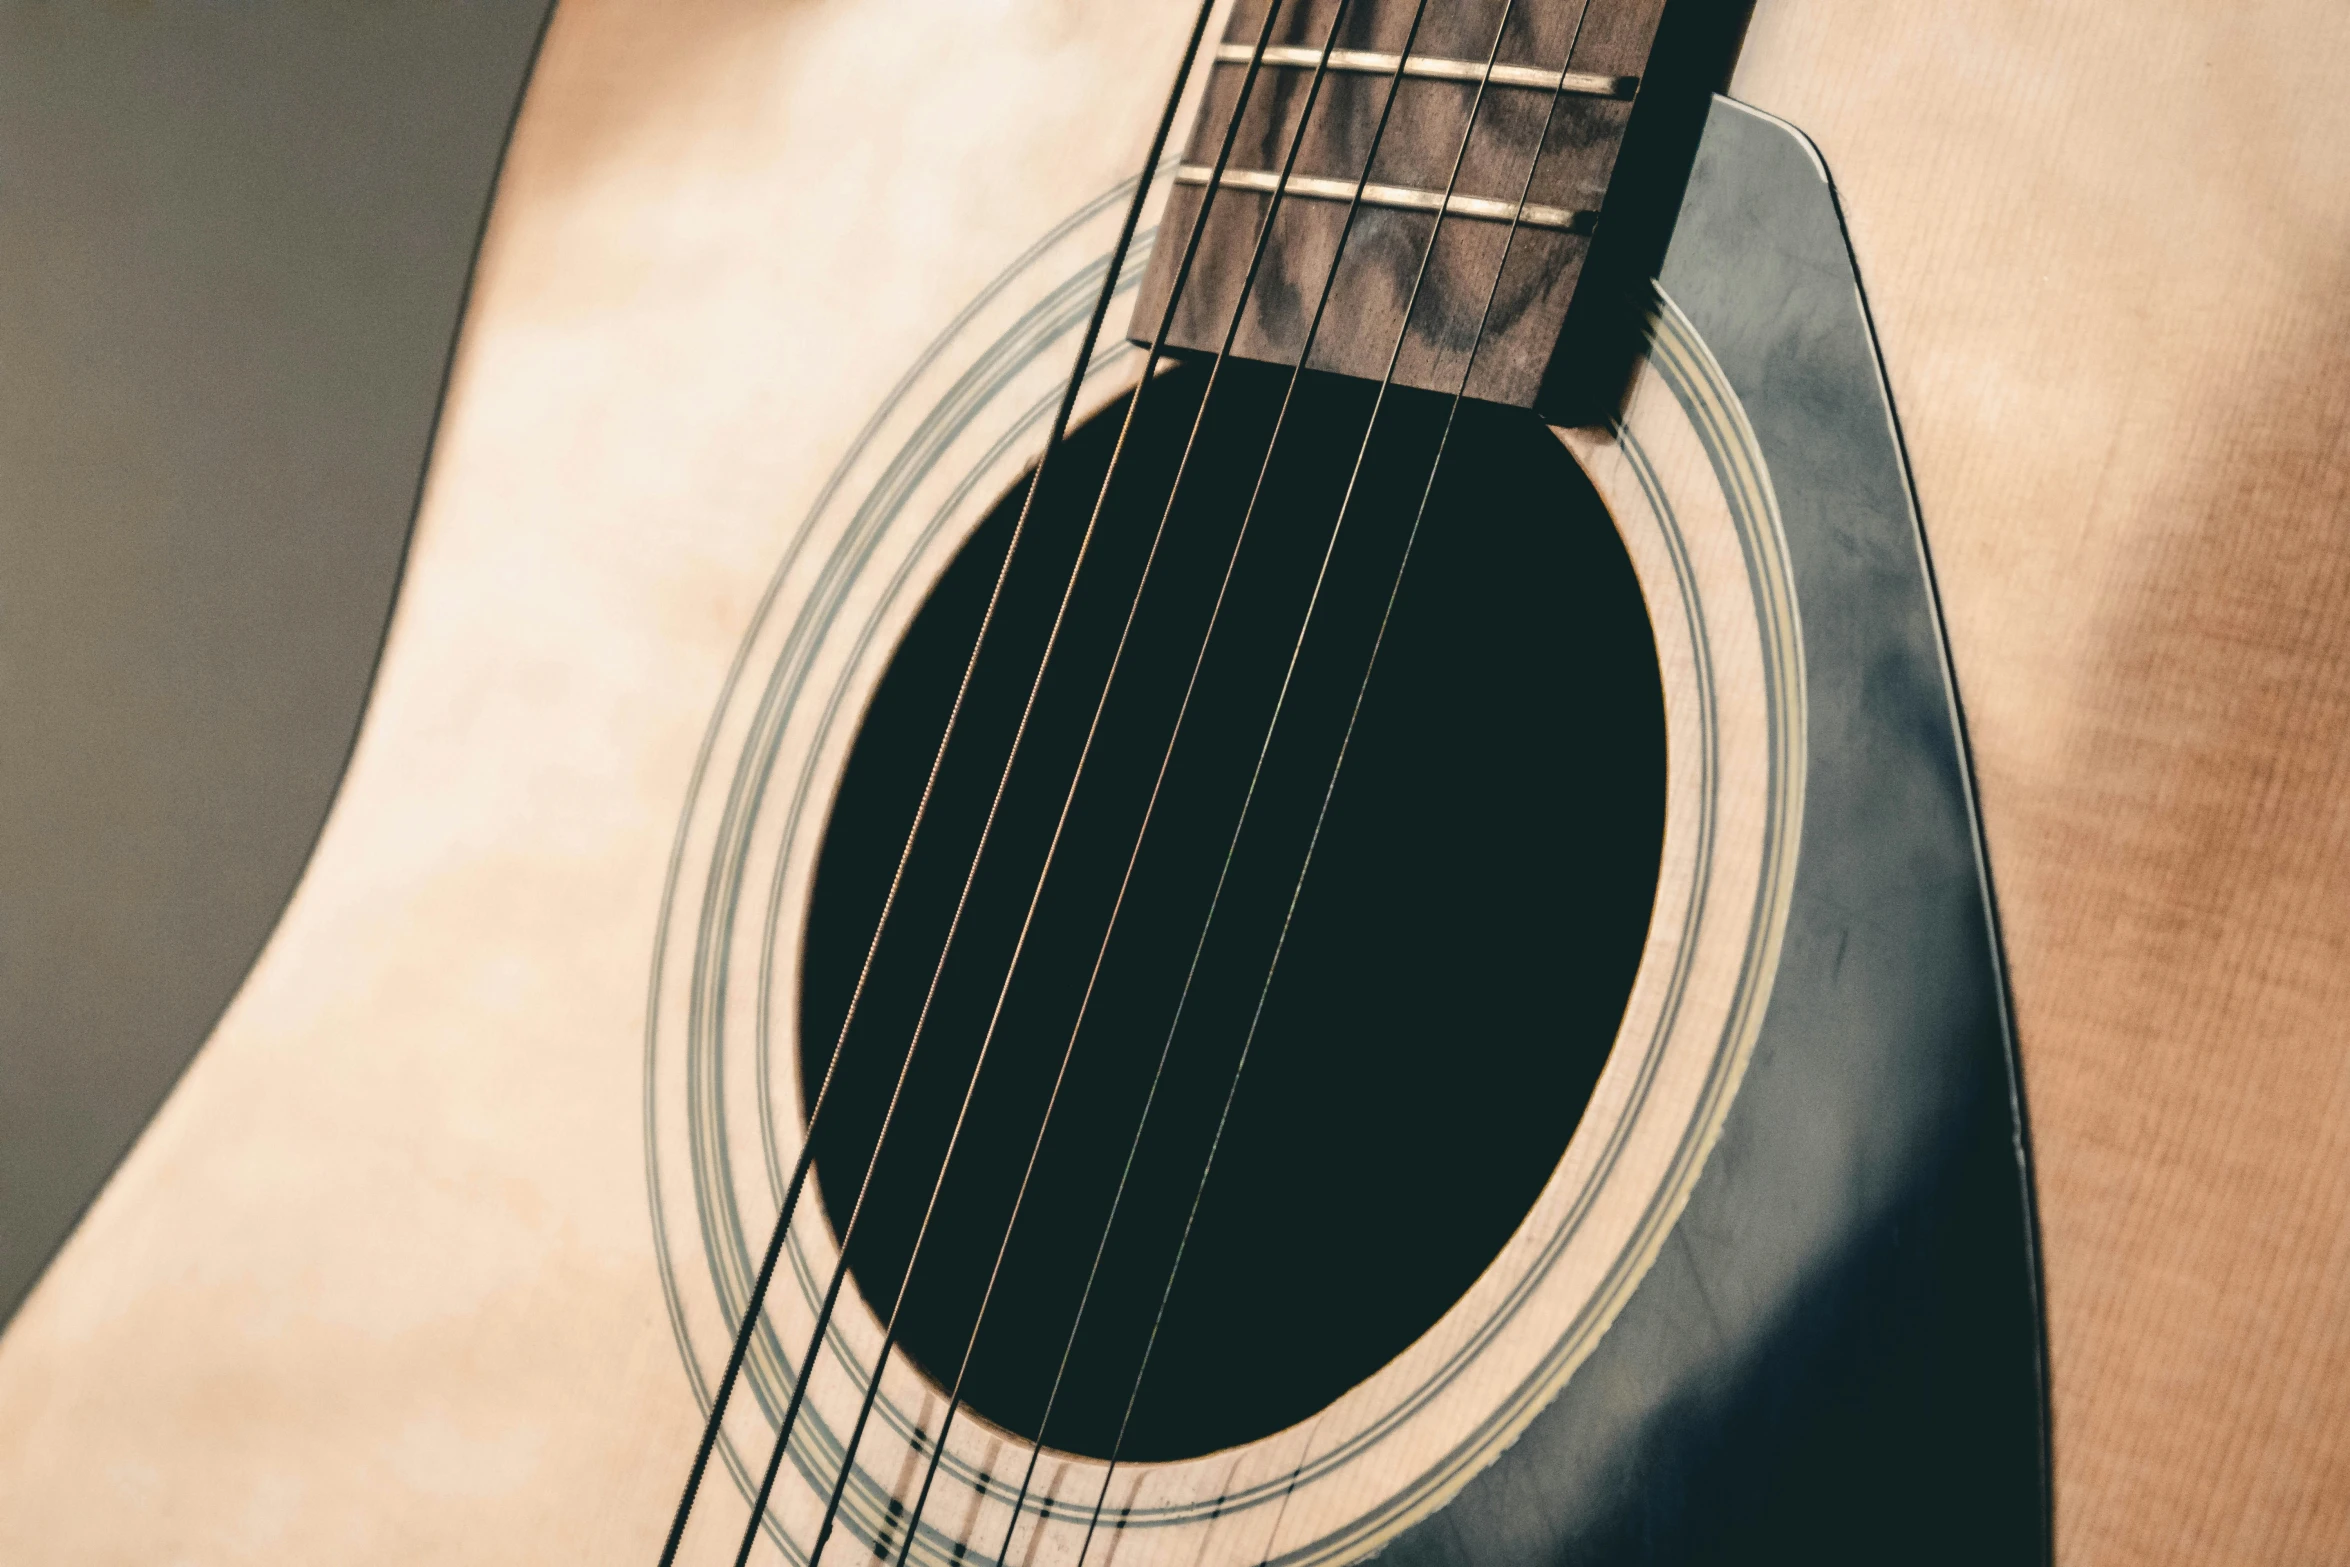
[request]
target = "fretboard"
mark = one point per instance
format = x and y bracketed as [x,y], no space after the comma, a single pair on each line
[1610,94]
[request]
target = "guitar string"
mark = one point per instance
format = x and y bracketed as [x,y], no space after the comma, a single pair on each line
[831,1299]
[1330,787]
[1305,352]
[748,1326]
[1068,800]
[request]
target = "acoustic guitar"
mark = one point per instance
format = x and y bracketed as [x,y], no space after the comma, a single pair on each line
[1487,782]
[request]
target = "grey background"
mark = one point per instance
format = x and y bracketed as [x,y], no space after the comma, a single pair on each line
[234,245]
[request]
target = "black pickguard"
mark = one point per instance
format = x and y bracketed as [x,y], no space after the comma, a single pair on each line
[1839,1354]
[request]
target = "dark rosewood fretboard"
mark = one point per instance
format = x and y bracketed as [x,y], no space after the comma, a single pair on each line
[1612,165]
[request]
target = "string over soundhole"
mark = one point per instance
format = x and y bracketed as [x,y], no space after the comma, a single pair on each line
[1459,965]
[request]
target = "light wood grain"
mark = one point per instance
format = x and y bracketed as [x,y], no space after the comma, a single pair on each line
[380,1283]
[377,1284]
[2106,246]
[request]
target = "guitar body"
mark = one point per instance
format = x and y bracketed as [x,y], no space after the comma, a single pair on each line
[1994,367]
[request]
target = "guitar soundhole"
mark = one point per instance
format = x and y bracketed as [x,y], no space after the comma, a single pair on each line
[1451,984]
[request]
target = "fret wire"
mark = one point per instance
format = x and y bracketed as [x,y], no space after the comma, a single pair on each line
[1587,84]
[1404,197]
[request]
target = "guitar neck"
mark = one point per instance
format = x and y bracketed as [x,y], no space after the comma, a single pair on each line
[1553,146]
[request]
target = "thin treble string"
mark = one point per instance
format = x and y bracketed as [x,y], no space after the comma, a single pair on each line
[1224,1115]
[1150,1098]
[840,1266]
[765,1277]
[1068,800]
